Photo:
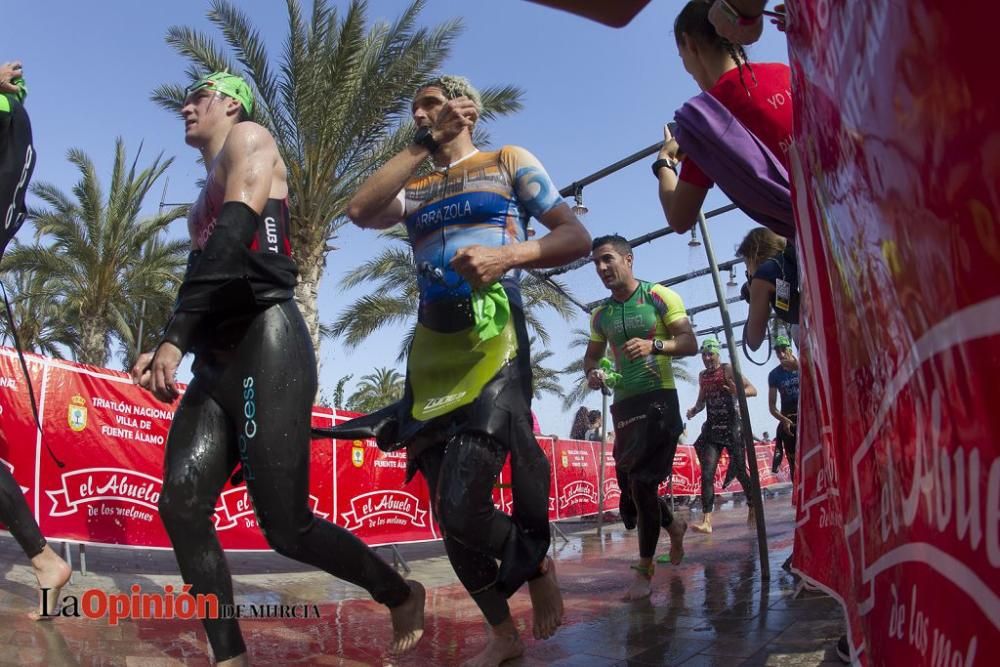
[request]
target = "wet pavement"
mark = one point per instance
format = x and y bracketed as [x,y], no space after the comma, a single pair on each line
[712,610]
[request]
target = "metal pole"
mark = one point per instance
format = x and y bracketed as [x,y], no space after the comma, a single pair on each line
[142,319]
[747,434]
[600,464]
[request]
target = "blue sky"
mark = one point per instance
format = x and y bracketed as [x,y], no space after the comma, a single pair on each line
[592,96]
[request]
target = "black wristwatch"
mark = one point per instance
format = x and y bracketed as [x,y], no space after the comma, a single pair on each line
[660,164]
[657,346]
[424,138]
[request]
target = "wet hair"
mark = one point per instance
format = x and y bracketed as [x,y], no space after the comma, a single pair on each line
[593,415]
[454,87]
[580,424]
[693,22]
[759,245]
[619,243]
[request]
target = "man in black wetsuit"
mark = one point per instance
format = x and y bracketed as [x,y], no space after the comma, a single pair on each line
[254,375]
[17,161]
[468,394]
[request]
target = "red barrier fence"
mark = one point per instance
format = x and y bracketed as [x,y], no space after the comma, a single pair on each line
[102,480]
[896,174]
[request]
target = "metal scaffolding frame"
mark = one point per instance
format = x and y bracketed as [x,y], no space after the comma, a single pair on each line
[575,189]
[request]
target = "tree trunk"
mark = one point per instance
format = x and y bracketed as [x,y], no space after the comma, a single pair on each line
[93,341]
[311,259]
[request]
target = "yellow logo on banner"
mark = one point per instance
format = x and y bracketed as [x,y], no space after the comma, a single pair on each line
[77,416]
[358,454]
[565,460]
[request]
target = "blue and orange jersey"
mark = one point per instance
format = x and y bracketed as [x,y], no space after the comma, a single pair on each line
[486,198]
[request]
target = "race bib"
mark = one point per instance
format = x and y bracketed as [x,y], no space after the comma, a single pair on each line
[782,294]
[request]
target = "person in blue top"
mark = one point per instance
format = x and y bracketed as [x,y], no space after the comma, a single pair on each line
[783,380]
[467,403]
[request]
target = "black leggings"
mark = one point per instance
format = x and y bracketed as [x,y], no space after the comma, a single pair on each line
[785,442]
[461,474]
[15,514]
[640,507]
[252,404]
[709,450]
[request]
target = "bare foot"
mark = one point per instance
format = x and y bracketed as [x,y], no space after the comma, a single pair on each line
[504,644]
[705,526]
[239,661]
[676,532]
[52,573]
[546,601]
[408,619]
[642,587]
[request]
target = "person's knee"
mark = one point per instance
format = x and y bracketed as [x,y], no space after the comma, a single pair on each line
[180,505]
[285,537]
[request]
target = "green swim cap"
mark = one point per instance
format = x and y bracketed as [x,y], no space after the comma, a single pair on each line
[227,84]
[782,341]
[711,345]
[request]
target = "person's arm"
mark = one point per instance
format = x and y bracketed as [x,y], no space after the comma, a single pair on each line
[748,389]
[375,205]
[772,404]
[591,361]
[681,201]
[566,241]
[739,21]
[755,330]
[247,166]
[699,404]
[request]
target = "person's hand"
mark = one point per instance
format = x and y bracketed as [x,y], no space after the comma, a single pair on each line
[637,347]
[142,372]
[8,72]
[164,372]
[691,413]
[732,28]
[454,116]
[669,151]
[780,21]
[789,425]
[730,386]
[595,378]
[480,265]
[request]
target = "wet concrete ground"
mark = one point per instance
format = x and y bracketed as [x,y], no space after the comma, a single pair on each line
[712,610]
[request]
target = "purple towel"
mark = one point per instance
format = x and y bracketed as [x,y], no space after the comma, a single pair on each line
[739,163]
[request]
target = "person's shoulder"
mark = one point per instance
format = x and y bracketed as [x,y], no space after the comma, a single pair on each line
[250,135]
[662,292]
[774,373]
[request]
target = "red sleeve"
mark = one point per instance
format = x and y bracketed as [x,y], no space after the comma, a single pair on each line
[692,174]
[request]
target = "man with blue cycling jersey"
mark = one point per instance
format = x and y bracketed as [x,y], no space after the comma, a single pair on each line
[467,403]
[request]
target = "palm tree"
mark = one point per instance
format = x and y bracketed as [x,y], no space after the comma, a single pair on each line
[40,325]
[544,380]
[377,390]
[579,392]
[394,297]
[336,103]
[99,260]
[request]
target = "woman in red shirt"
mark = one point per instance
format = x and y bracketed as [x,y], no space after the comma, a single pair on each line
[759,96]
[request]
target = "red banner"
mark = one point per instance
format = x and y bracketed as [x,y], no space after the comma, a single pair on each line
[94,474]
[896,174]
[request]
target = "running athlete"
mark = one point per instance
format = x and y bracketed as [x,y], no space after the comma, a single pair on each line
[254,376]
[784,380]
[646,325]
[17,161]
[467,403]
[721,430]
